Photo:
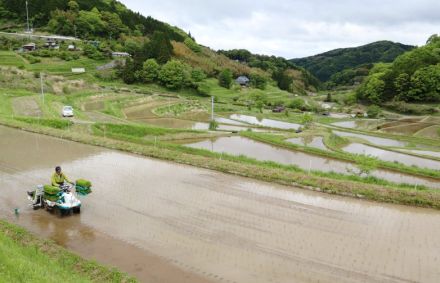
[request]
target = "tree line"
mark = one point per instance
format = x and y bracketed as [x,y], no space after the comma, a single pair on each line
[413,77]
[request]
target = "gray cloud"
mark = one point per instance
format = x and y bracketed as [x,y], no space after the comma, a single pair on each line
[297,28]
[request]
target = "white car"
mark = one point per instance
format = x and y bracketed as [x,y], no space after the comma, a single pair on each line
[67,111]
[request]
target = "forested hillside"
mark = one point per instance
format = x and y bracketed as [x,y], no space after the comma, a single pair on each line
[85,18]
[327,64]
[413,77]
[151,43]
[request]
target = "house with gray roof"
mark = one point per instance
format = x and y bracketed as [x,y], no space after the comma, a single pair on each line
[242,80]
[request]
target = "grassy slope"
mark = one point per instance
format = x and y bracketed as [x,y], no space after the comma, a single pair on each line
[26,258]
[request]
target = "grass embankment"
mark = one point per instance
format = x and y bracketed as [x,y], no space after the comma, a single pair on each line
[246,167]
[334,144]
[26,258]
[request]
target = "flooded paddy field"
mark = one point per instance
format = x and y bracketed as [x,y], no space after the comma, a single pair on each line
[265,122]
[309,141]
[359,124]
[164,222]
[392,156]
[264,152]
[373,139]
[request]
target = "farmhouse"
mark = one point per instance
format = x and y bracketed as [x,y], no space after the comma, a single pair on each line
[242,80]
[29,47]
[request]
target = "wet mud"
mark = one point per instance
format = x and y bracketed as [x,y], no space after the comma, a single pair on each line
[164,222]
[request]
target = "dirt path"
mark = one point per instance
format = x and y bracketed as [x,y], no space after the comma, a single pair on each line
[26,106]
[188,223]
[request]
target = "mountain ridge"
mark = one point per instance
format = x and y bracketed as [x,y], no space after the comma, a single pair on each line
[326,64]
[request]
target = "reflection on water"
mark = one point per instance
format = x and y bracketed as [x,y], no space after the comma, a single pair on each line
[386,155]
[193,125]
[265,152]
[309,141]
[265,122]
[222,120]
[358,124]
[373,139]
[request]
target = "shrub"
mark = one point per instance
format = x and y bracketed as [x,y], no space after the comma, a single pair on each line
[374,111]
[225,78]
[297,103]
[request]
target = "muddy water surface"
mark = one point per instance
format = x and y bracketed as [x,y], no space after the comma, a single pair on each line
[171,223]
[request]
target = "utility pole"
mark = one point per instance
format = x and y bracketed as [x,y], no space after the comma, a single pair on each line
[42,87]
[27,17]
[212,108]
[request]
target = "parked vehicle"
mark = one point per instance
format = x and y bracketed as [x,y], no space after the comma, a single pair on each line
[67,111]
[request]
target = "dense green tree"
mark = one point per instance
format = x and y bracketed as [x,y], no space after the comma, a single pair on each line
[128,72]
[113,25]
[373,88]
[172,74]
[159,47]
[90,23]
[225,78]
[73,6]
[63,22]
[150,71]
[402,85]
[284,81]
[257,80]
[425,85]
[412,77]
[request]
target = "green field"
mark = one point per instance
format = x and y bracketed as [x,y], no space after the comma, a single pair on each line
[9,58]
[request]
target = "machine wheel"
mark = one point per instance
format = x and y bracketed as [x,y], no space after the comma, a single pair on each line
[77,210]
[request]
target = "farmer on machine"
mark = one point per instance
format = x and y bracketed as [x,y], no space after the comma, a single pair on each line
[58,177]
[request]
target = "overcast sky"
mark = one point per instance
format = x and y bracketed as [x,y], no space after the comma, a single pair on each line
[296,28]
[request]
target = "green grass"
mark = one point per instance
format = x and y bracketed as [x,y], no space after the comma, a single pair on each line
[5,105]
[138,131]
[52,123]
[5,100]
[10,58]
[334,141]
[25,258]
[58,66]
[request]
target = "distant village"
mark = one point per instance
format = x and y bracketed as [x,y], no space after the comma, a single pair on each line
[55,43]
